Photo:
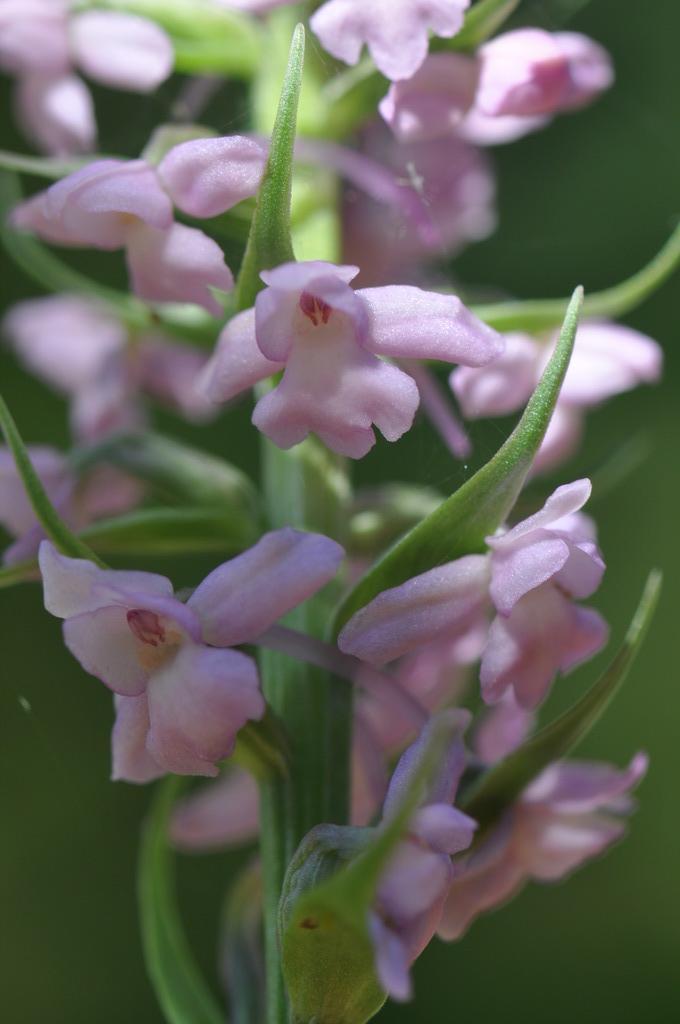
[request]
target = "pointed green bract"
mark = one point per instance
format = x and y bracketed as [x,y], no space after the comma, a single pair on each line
[50,520]
[460,524]
[269,242]
[500,786]
[328,956]
[181,991]
[543,314]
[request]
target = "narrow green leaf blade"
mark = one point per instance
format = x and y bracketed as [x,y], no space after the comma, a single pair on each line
[542,314]
[460,524]
[481,22]
[53,525]
[503,783]
[181,991]
[169,531]
[269,242]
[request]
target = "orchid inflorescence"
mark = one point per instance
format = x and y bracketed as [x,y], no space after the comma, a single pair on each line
[317,677]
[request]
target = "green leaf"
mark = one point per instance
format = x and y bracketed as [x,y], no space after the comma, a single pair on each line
[269,242]
[481,22]
[328,955]
[181,991]
[55,528]
[178,472]
[169,531]
[542,314]
[499,787]
[460,524]
[51,273]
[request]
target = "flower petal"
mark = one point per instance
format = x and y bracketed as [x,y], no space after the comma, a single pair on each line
[221,814]
[121,50]
[443,601]
[179,264]
[239,600]
[131,761]
[206,177]
[57,113]
[105,646]
[197,704]
[238,363]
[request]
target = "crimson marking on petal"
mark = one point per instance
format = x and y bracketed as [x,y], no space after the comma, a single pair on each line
[146,626]
[315,309]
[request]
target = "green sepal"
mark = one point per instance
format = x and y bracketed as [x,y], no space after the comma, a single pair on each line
[56,529]
[492,792]
[180,989]
[328,955]
[262,748]
[543,314]
[460,524]
[269,241]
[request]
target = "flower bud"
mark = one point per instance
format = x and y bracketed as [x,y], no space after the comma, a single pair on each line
[328,958]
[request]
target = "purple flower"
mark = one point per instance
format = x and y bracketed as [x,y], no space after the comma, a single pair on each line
[530,576]
[327,340]
[114,204]
[415,884]
[569,814]
[395,31]
[443,199]
[191,691]
[608,360]
[41,42]
[80,348]
[512,86]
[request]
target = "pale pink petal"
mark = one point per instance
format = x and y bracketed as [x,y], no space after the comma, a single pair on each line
[576,787]
[221,814]
[481,129]
[590,69]
[440,602]
[105,646]
[130,760]
[16,512]
[73,586]
[444,828]
[523,73]
[121,50]
[56,113]
[64,339]
[205,177]
[395,31]
[550,846]
[33,37]
[409,323]
[179,264]
[391,959]
[503,386]
[562,502]
[238,363]
[518,569]
[337,392]
[239,600]
[562,439]
[608,359]
[197,704]
[475,890]
[302,294]
[433,102]
[502,729]
[588,634]
[169,372]
[450,726]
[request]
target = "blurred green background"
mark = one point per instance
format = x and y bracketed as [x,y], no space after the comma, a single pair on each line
[589,200]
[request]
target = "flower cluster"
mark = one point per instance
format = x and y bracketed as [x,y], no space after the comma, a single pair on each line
[330,347]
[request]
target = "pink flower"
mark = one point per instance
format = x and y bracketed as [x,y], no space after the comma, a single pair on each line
[395,31]
[414,886]
[327,340]
[531,576]
[114,204]
[81,349]
[512,86]
[191,691]
[41,42]
[529,73]
[454,188]
[608,360]
[569,814]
